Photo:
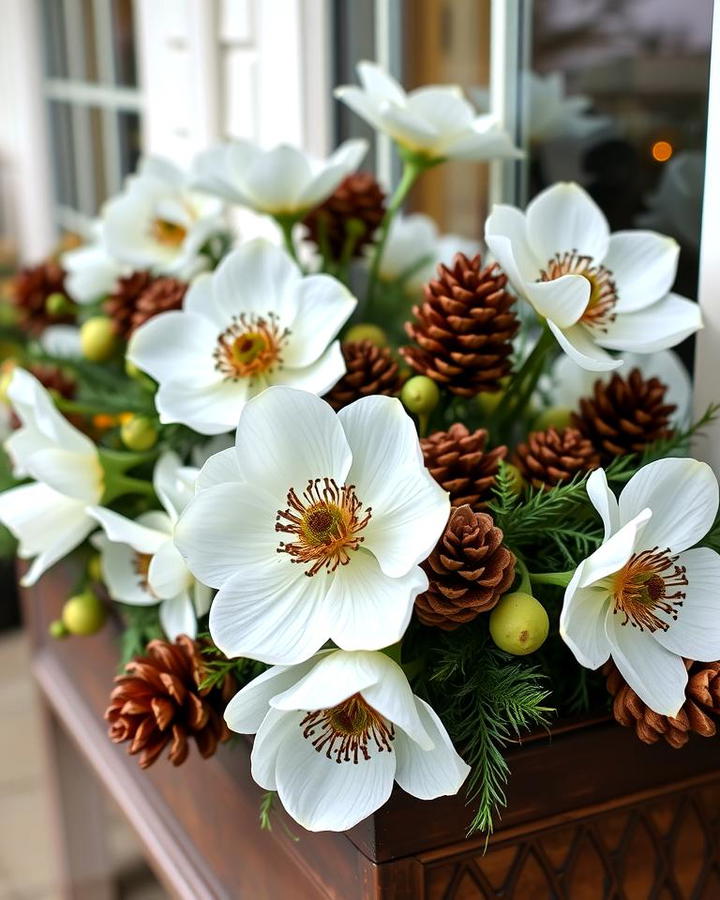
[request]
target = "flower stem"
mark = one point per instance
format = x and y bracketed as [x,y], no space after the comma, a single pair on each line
[412,169]
[525,586]
[559,579]
[519,391]
[286,224]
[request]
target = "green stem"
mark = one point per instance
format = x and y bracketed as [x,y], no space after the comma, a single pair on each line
[286,223]
[412,169]
[559,579]
[119,485]
[525,586]
[522,385]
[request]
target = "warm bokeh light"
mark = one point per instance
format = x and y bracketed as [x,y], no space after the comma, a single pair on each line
[662,151]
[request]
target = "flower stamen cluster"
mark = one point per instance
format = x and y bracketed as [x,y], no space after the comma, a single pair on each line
[348,730]
[603,291]
[642,588]
[169,233]
[251,345]
[326,520]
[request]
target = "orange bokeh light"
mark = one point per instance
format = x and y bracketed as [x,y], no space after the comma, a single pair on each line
[662,151]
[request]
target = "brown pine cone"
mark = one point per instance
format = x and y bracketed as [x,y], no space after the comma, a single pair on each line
[163,295]
[370,370]
[624,415]
[29,291]
[551,457]
[464,328]
[357,197]
[458,461]
[158,701]
[120,306]
[469,570]
[702,697]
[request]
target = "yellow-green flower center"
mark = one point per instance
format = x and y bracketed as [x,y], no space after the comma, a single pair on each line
[168,233]
[251,346]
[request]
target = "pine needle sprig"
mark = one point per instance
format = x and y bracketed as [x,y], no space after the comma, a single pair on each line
[218,666]
[488,700]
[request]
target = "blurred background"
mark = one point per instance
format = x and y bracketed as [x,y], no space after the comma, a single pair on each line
[610,93]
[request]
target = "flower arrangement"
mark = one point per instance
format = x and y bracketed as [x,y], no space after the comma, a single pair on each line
[382,500]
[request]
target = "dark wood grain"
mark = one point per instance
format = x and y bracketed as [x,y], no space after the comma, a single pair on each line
[199,823]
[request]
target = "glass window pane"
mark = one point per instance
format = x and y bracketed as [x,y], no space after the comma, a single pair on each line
[130,146]
[62,155]
[56,64]
[123,35]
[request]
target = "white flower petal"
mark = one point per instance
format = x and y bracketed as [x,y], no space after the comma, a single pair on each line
[210,408]
[118,563]
[175,344]
[378,82]
[69,473]
[564,218]
[408,129]
[168,576]
[220,468]
[277,178]
[173,484]
[91,273]
[506,237]
[604,501]
[323,307]
[643,266]
[612,555]
[656,675]
[275,729]
[580,347]
[137,534]
[683,496]
[324,795]
[318,377]
[245,712]
[286,437]
[429,773]
[273,613]
[582,622]
[202,598]
[657,327]
[696,632]
[62,340]
[479,144]
[177,616]
[442,107]
[366,609]
[227,527]
[562,300]
[366,106]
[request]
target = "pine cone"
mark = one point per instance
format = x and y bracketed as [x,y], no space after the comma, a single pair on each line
[702,696]
[370,370]
[469,570]
[29,291]
[158,701]
[163,295]
[464,328]
[624,415]
[357,197]
[551,457]
[121,305]
[458,461]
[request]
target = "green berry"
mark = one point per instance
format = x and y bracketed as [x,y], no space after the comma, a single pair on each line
[83,614]
[420,395]
[553,417]
[488,402]
[57,630]
[98,340]
[57,304]
[366,331]
[519,624]
[139,433]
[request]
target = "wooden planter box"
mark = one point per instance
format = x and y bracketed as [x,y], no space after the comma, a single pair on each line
[592,812]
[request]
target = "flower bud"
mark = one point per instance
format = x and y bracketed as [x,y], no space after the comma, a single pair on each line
[366,331]
[420,395]
[557,417]
[519,624]
[83,614]
[139,433]
[94,568]
[98,340]
[57,630]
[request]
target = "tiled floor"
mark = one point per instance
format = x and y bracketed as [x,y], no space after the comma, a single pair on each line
[28,868]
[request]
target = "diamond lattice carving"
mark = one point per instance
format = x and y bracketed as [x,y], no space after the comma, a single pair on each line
[667,848]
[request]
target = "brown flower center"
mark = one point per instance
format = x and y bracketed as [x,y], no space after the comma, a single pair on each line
[168,233]
[603,293]
[647,584]
[141,565]
[252,345]
[326,521]
[348,731]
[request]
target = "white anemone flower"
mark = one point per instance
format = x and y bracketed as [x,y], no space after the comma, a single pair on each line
[256,321]
[435,122]
[49,517]
[569,383]
[158,223]
[140,563]
[313,527]
[414,248]
[334,733]
[284,181]
[594,289]
[91,272]
[643,597]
